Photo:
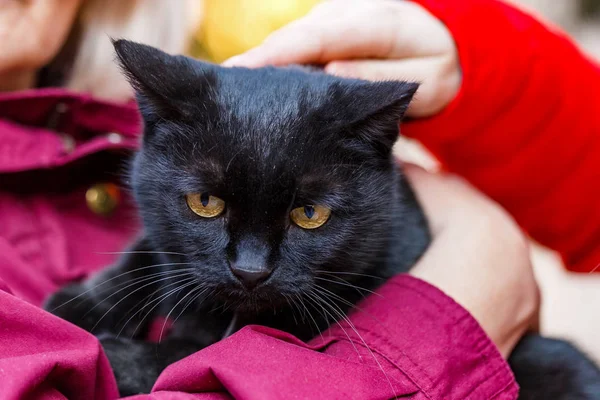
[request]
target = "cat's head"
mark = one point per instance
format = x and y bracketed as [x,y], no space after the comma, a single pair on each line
[269,180]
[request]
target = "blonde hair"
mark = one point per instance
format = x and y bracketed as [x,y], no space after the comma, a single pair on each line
[164,24]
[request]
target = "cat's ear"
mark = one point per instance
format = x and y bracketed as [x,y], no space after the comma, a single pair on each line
[168,87]
[373,110]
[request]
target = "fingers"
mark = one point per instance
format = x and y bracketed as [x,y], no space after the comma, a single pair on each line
[316,42]
[338,30]
[372,40]
[437,74]
[380,70]
[436,90]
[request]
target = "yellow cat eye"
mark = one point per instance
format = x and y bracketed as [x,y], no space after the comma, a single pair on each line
[205,205]
[310,217]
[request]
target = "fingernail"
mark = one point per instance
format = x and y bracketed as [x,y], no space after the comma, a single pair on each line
[252,58]
[232,61]
[334,68]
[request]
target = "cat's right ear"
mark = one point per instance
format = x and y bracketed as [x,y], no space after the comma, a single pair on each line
[167,87]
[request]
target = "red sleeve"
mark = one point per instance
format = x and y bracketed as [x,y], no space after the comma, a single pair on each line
[525,126]
[421,344]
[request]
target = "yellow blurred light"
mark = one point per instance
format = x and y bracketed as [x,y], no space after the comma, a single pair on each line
[231,27]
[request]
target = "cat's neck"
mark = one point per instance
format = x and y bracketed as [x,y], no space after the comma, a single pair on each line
[410,234]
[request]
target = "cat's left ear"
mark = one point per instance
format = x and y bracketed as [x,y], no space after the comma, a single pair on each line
[169,87]
[373,110]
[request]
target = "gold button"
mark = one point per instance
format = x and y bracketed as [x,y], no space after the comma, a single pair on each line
[103,198]
[114,138]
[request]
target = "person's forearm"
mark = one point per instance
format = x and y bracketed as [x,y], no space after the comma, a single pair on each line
[422,334]
[525,127]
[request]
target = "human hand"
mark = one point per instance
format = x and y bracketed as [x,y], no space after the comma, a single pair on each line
[373,40]
[31,32]
[478,256]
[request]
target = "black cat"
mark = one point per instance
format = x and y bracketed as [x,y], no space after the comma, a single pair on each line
[259,189]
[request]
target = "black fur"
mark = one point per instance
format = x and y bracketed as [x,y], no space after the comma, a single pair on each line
[553,369]
[265,141]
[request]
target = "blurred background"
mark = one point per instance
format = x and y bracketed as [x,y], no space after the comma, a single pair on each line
[581,18]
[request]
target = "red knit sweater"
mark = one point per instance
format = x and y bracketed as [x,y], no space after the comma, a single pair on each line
[525,126]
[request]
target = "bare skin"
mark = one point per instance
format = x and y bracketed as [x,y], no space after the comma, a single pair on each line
[31,32]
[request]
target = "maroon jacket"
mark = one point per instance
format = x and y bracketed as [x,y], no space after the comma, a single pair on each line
[55,229]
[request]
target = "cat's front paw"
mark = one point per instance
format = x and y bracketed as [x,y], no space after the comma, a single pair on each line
[134,364]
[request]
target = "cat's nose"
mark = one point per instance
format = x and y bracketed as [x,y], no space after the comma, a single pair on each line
[250,276]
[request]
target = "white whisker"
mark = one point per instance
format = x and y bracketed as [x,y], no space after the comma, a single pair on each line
[348,285]
[341,314]
[123,299]
[112,279]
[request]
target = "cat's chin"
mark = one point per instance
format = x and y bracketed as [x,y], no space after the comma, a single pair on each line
[254,301]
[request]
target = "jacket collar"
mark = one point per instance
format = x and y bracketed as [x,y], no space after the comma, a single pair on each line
[60,109]
[48,128]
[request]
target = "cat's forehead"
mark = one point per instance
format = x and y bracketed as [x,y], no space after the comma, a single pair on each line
[255,154]
[268,117]
[272,93]
[268,134]
[271,127]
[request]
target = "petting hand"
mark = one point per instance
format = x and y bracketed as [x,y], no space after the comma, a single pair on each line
[478,256]
[373,40]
